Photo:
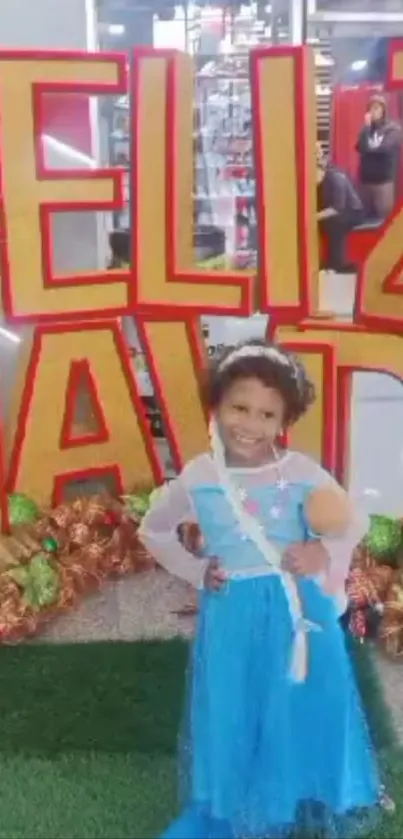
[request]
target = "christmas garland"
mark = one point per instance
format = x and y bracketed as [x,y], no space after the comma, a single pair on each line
[53,558]
[375,585]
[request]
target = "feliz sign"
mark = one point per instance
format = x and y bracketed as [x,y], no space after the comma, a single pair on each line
[77,336]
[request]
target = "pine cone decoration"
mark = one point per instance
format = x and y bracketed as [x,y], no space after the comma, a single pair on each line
[94,558]
[94,511]
[48,529]
[68,593]
[381,576]
[362,558]
[83,578]
[361,590]
[79,534]
[391,630]
[358,623]
[16,619]
[62,516]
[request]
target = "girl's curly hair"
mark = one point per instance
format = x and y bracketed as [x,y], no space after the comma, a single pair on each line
[287,376]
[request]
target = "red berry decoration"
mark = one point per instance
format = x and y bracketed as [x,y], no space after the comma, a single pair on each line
[111,519]
[358,624]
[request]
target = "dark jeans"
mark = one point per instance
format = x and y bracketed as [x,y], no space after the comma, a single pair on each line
[337,229]
[378,200]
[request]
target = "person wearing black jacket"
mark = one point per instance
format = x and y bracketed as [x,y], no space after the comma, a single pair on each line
[339,210]
[378,146]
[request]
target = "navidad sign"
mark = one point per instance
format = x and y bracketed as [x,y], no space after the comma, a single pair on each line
[77,333]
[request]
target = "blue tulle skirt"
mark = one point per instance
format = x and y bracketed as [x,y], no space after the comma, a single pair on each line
[261,756]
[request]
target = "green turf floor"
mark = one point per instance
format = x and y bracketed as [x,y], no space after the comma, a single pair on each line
[87,740]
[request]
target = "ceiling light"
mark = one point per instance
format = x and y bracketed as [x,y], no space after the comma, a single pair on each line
[11,336]
[116,29]
[359,65]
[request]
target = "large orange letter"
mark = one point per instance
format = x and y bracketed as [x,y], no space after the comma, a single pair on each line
[30,192]
[166,277]
[315,433]
[284,124]
[355,350]
[176,359]
[379,303]
[46,453]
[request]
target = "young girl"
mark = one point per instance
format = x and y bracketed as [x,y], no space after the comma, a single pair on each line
[275,742]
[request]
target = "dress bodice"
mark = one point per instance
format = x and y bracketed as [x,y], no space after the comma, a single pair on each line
[281,516]
[198,495]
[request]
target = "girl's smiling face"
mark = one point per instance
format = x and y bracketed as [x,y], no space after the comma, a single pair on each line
[250,417]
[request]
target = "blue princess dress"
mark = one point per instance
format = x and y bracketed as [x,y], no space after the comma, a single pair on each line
[262,754]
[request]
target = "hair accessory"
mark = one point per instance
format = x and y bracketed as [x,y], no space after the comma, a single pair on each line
[271,353]
[251,351]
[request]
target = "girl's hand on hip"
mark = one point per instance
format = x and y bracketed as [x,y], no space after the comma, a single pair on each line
[191,537]
[215,576]
[308,559]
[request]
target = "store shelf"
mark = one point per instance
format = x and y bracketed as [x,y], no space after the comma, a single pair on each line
[324,68]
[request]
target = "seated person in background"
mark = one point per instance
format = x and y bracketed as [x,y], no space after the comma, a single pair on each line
[119,243]
[378,146]
[339,210]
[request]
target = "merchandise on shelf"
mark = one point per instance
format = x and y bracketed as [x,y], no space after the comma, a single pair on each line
[119,155]
[225,181]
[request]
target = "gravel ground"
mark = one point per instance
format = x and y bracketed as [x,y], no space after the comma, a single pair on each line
[133,608]
[147,605]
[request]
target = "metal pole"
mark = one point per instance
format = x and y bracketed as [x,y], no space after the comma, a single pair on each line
[304,21]
[298,21]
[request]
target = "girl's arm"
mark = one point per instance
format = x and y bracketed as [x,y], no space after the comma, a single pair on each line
[339,548]
[159,533]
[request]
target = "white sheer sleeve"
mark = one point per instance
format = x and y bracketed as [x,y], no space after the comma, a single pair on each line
[159,533]
[340,549]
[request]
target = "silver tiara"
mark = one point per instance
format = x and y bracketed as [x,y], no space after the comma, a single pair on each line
[251,351]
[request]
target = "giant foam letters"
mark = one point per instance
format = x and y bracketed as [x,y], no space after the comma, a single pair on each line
[379,303]
[30,192]
[175,354]
[354,350]
[47,452]
[164,290]
[166,278]
[43,453]
[285,157]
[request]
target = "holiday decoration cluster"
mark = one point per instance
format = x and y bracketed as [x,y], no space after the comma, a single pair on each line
[375,586]
[57,557]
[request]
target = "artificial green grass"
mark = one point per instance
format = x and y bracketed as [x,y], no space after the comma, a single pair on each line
[105,697]
[378,715]
[88,739]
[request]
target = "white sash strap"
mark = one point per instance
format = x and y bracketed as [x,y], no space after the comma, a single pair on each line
[251,527]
